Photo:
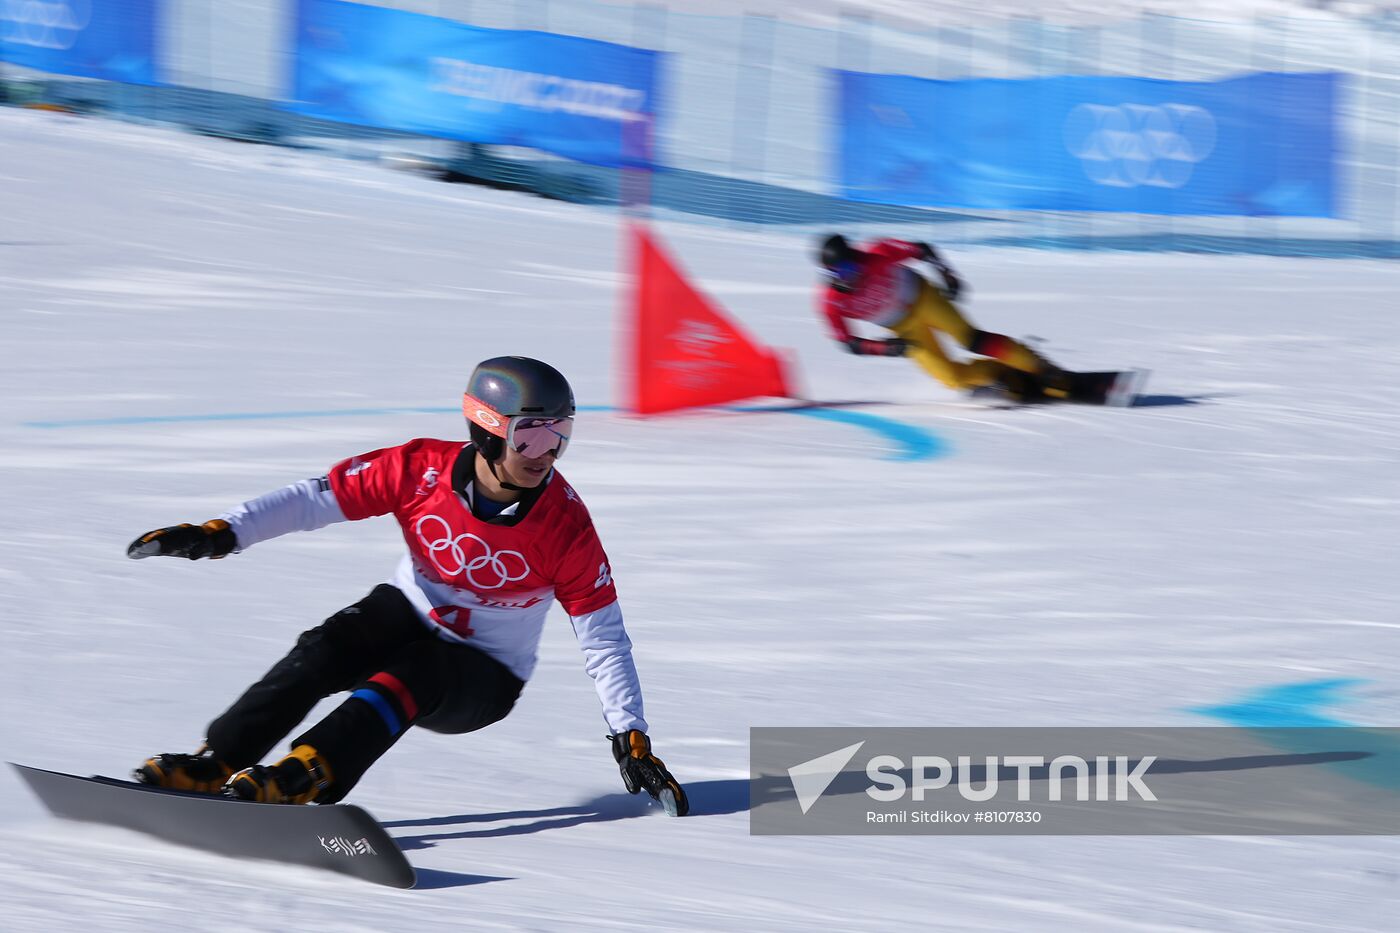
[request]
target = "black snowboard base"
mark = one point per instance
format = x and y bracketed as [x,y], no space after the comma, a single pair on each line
[1117,389]
[337,837]
[1114,388]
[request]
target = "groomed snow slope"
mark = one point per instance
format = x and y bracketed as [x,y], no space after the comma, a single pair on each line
[1055,566]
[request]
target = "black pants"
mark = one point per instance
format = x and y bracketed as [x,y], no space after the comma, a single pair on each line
[400,674]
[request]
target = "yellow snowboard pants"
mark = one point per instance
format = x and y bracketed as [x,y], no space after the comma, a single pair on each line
[932,314]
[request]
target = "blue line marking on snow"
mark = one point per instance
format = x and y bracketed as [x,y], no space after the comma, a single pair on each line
[911,441]
[1272,711]
[381,706]
[1284,706]
[915,443]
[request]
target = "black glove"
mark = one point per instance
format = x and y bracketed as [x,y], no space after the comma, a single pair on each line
[643,771]
[213,539]
[952,285]
[865,346]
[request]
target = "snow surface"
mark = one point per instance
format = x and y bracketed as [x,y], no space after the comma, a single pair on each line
[1055,566]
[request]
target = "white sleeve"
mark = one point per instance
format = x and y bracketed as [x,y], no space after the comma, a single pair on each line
[607,656]
[303,506]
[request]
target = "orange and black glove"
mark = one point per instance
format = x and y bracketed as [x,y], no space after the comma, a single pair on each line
[213,539]
[643,771]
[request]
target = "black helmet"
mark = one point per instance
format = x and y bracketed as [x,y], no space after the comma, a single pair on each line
[841,263]
[506,386]
[835,250]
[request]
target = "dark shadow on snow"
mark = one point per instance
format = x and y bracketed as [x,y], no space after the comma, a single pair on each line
[430,879]
[1161,401]
[717,798]
[707,798]
[599,810]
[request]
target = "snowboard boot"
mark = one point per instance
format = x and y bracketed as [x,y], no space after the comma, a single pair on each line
[1021,386]
[1053,382]
[301,777]
[201,772]
[1048,383]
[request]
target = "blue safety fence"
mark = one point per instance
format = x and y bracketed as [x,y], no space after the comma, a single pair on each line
[113,40]
[390,69]
[745,125]
[1258,145]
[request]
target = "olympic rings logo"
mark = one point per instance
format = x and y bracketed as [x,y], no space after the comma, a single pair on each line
[44,25]
[466,553]
[1139,144]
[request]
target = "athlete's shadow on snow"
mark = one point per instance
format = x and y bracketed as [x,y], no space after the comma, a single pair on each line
[432,878]
[523,822]
[1160,401]
[707,798]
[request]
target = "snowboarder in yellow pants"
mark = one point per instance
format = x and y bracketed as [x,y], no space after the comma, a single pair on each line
[875,284]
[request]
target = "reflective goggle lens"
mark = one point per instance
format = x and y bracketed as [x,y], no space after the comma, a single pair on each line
[535,437]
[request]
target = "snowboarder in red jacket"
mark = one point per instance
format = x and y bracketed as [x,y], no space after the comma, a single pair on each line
[877,284]
[493,534]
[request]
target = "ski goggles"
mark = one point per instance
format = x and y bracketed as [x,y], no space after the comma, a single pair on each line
[844,275]
[530,435]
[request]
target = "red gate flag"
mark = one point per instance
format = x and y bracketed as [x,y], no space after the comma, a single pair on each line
[686,351]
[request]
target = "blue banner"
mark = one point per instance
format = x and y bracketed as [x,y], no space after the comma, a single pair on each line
[579,98]
[109,39]
[1261,144]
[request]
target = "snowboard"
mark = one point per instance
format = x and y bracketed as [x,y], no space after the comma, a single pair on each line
[337,837]
[1116,389]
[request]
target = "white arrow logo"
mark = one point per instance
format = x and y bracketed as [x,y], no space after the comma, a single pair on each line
[811,778]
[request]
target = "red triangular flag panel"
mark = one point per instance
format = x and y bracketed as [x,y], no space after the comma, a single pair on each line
[686,351]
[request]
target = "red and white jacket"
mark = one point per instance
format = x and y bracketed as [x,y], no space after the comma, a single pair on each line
[486,583]
[884,294]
